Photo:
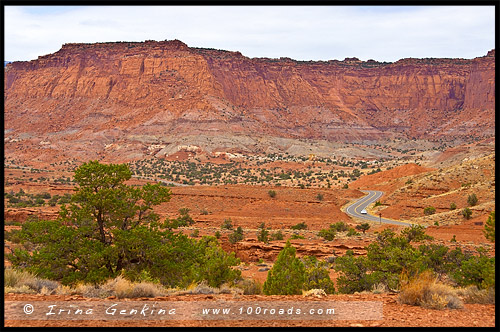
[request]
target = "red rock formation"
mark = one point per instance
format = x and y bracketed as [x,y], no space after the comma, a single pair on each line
[119,90]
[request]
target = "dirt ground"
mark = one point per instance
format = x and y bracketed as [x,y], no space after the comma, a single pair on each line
[394,313]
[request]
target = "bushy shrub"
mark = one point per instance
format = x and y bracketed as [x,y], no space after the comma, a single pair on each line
[271,193]
[327,234]
[263,235]
[363,227]
[236,236]
[475,270]
[287,275]
[317,275]
[299,226]
[227,224]
[340,226]
[467,213]
[278,235]
[297,237]
[429,210]
[352,232]
[415,233]
[472,199]
[385,260]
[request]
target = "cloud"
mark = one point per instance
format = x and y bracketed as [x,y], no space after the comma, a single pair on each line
[299,32]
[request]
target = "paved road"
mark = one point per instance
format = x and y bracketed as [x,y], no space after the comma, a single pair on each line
[354,210]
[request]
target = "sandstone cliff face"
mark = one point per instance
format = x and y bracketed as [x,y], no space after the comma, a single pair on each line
[155,89]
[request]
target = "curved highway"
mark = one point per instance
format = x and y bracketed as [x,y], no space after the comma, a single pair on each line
[354,210]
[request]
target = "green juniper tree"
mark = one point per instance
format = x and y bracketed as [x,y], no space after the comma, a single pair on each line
[287,275]
[489,227]
[109,228]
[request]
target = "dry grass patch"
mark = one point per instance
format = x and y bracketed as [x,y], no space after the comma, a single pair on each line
[23,282]
[472,294]
[424,290]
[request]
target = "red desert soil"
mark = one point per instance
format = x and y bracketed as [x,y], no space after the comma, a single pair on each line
[384,181]
[394,313]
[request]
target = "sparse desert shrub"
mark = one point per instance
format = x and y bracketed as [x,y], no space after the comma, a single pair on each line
[467,213]
[316,292]
[184,218]
[340,226]
[424,290]
[287,275]
[472,199]
[453,206]
[415,233]
[319,197]
[299,226]
[249,286]
[14,277]
[24,289]
[271,193]
[379,288]
[146,289]
[236,236]
[363,227]
[352,232]
[228,224]
[203,288]
[327,234]
[16,281]
[429,210]
[297,237]
[472,294]
[278,235]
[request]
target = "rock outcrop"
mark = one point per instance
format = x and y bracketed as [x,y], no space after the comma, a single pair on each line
[143,92]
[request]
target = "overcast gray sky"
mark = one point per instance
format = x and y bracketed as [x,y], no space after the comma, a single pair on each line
[382,33]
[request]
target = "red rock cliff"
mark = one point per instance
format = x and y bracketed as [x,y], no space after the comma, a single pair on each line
[167,87]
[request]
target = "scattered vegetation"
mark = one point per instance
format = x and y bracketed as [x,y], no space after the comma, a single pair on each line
[391,255]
